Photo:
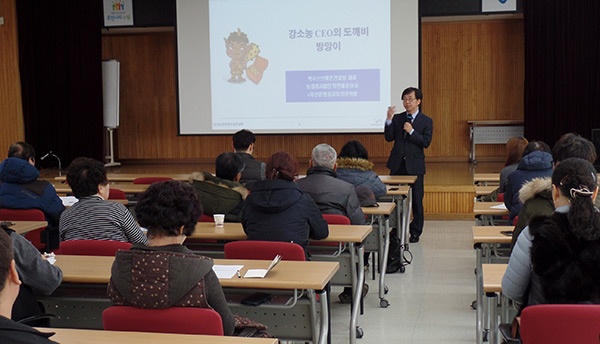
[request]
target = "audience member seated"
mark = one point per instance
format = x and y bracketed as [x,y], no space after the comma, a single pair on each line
[20,188]
[244,142]
[277,210]
[536,162]
[514,153]
[222,194]
[536,195]
[179,277]
[11,331]
[93,217]
[37,274]
[556,257]
[353,166]
[332,195]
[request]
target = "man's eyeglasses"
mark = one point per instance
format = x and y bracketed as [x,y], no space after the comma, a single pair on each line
[409,100]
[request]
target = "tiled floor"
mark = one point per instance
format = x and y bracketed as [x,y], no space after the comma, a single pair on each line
[429,303]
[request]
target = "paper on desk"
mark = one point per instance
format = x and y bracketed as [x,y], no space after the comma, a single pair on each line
[50,257]
[226,271]
[68,200]
[261,273]
[500,206]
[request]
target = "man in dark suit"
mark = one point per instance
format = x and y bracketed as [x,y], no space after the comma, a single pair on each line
[411,132]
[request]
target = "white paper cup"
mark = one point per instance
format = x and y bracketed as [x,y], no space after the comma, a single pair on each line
[219,219]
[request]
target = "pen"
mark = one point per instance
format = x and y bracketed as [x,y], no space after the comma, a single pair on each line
[238,274]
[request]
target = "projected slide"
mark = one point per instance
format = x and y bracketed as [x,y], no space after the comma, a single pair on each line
[275,66]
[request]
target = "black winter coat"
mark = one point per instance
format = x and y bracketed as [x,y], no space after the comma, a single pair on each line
[277,210]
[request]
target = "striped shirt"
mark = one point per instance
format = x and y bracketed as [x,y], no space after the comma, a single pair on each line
[93,218]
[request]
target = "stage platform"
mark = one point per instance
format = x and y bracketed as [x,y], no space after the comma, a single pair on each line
[449,189]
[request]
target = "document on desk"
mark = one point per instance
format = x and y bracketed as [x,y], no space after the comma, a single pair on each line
[261,273]
[227,271]
[500,206]
[68,200]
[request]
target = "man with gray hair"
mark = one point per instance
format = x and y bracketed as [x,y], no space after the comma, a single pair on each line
[332,195]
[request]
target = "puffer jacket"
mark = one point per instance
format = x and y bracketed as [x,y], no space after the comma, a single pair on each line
[332,195]
[536,197]
[219,196]
[534,165]
[359,172]
[21,189]
[277,210]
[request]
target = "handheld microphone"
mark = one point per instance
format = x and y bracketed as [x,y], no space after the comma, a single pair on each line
[409,118]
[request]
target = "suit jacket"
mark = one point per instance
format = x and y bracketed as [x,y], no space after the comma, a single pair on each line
[410,147]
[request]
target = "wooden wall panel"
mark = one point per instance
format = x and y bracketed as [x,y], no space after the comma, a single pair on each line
[470,70]
[11,110]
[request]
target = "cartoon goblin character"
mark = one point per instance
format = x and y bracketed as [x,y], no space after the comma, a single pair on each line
[237,46]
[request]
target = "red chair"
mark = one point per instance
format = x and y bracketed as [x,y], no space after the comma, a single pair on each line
[92,247]
[332,219]
[335,219]
[150,180]
[500,197]
[116,194]
[564,323]
[27,215]
[182,320]
[265,250]
[205,218]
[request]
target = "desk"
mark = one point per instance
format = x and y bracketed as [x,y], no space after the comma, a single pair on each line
[485,178]
[129,177]
[73,336]
[492,132]
[487,210]
[397,180]
[24,227]
[484,239]
[492,286]
[354,235]
[482,190]
[383,224]
[287,275]
[402,196]
[128,188]
[399,187]
[235,231]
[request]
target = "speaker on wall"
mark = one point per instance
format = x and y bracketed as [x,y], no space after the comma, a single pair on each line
[110,93]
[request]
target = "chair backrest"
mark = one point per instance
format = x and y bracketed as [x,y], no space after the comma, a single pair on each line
[92,247]
[551,323]
[205,218]
[116,194]
[27,215]
[500,197]
[336,219]
[150,180]
[265,250]
[182,320]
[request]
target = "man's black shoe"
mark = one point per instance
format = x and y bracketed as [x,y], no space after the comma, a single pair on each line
[413,239]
